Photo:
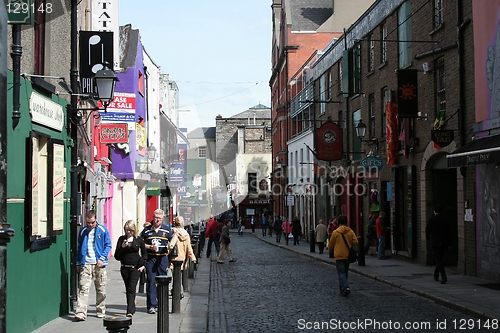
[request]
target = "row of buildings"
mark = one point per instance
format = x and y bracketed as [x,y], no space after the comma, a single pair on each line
[396,111]
[67,150]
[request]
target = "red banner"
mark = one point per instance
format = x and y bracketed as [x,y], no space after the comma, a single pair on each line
[329,141]
[392,139]
[114,133]
[407,93]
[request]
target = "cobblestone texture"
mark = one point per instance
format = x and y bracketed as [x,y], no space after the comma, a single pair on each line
[270,289]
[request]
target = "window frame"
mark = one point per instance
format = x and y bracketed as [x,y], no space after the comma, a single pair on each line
[200,150]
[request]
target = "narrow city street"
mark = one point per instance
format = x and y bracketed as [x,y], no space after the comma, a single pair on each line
[271,289]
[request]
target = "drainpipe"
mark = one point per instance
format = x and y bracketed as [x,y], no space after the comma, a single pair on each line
[16,53]
[72,125]
[461,24]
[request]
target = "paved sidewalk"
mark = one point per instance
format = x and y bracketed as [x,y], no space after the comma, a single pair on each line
[191,319]
[473,296]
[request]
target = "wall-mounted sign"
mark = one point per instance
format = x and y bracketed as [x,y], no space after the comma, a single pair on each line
[371,164]
[114,133]
[96,47]
[442,137]
[407,93]
[46,112]
[20,11]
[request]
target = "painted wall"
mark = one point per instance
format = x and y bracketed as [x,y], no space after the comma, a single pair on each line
[37,282]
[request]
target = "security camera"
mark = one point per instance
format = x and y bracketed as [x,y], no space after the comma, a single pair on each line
[425,67]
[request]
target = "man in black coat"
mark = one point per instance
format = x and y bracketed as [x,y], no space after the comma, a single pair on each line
[437,234]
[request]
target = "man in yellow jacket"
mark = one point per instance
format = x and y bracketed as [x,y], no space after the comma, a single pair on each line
[341,252]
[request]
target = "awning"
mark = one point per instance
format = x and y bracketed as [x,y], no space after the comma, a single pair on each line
[479,151]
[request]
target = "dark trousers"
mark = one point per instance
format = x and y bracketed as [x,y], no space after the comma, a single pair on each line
[201,244]
[286,234]
[154,266]
[278,235]
[321,247]
[130,277]
[296,239]
[439,259]
[215,241]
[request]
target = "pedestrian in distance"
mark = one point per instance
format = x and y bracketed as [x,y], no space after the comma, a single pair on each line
[213,236]
[156,238]
[270,225]
[332,225]
[252,223]
[287,229]
[263,225]
[201,241]
[343,238]
[321,234]
[381,229]
[225,240]
[131,252]
[296,230]
[438,235]
[371,234]
[241,227]
[94,245]
[277,228]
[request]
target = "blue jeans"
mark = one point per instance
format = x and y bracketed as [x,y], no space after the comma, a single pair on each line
[154,266]
[215,241]
[381,247]
[342,271]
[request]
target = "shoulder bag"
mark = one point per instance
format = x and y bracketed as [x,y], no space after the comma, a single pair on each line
[353,255]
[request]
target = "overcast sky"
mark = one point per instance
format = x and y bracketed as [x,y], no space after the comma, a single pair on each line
[218,52]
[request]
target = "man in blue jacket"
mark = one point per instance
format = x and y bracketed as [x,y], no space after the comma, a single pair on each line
[94,244]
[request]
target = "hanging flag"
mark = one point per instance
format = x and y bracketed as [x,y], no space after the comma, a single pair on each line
[392,139]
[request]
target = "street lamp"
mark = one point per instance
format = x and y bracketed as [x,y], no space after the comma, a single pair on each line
[361,131]
[105,81]
[151,152]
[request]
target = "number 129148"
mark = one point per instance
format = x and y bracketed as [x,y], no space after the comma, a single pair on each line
[21,7]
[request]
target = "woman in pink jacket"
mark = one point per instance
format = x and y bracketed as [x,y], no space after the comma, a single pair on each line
[287,229]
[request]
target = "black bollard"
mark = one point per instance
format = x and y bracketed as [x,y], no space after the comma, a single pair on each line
[191,265]
[117,324]
[185,282]
[361,251]
[176,286]
[162,282]
[312,243]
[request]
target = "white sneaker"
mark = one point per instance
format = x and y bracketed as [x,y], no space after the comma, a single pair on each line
[101,315]
[80,317]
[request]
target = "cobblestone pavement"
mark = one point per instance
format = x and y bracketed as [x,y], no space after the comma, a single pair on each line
[270,289]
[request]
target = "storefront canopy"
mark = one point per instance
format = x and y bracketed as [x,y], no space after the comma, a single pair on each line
[479,151]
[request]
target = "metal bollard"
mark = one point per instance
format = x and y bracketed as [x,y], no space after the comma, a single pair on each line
[162,282]
[176,286]
[117,324]
[185,283]
[312,243]
[361,251]
[191,266]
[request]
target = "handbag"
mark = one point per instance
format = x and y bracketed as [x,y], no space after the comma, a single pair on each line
[353,255]
[172,251]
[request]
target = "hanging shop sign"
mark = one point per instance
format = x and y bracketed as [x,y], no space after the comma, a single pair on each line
[329,142]
[114,133]
[372,164]
[407,93]
[442,137]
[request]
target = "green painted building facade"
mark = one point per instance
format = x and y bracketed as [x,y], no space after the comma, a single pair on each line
[38,205]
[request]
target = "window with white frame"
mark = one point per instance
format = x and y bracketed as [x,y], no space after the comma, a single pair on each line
[322,94]
[383,44]
[202,152]
[404,34]
[371,58]
[440,86]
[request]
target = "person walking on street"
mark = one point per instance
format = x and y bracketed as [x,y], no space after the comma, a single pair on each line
[212,235]
[94,245]
[342,235]
[131,251]
[277,228]
[225,240]
[240,227]
[381,230]
[321,234]
[263,224]
[156,238]
[372,232]
[296,230]
[270,225]
[252,223]
[287,229]
[201,241]
[437,234]
[182,239]
[332,225]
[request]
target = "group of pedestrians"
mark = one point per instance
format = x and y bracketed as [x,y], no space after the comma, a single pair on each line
[138,253]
